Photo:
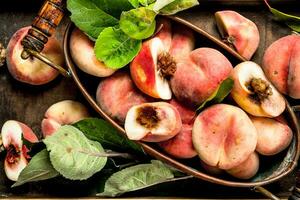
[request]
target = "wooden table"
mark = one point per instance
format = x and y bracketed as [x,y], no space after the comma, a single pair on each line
[28,104]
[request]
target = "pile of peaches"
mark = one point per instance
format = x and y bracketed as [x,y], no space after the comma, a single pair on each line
[157,96]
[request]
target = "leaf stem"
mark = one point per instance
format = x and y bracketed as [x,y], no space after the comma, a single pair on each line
[108,154]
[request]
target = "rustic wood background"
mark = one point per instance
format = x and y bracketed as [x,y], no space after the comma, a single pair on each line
[28,103]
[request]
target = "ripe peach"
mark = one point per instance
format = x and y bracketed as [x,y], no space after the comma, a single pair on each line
[82,52]
[254,93]
[32,70]
[61,113]
[150,68]
[181,145]
[152,122]
[214,170]
[165,33]
[187,114]
[183,42]
[281,63]
[224,136]
[273,136]
[205,68]
[238,31]
[13,134]
[117,94]
[247,169]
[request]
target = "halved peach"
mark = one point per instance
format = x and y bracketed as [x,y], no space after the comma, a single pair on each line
[224,136]
[273,136]
[13,134]
[152,122]
[238,31]
[254,93]
[165,32]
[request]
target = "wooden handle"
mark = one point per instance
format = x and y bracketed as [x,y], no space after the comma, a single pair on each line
[43,26]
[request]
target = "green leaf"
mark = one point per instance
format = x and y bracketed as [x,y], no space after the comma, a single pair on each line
[159,4]
[290,20]
[115,48]
[134,3]
[114,7]
[220,93]
[88,16]
[177,6]
[138,23]
[73,155]
[136,177]
[109,137]
[146,2]
[39,168]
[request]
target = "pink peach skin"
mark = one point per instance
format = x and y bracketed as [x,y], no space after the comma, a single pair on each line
[281,63]
[205,68]
[62,113]
[82,52]
[117,94]
[224,136]
[187,114]
[32,70]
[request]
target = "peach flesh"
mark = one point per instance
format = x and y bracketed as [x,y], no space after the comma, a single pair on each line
[13,133]
[273,136]
[247,169]
[117,94]
[254,93]
[152,122]
[206,68]
[61,113]
[281,63]
[224,136]
[32,70]
[82,52]
[238,31]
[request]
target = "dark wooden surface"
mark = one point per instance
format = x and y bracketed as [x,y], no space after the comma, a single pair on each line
[28,104]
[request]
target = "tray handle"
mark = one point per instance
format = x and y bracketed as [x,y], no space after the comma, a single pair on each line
[43,26]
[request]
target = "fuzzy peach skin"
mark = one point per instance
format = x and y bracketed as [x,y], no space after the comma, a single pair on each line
[254,93]
[32,70]
[281,63]
[199,75]
[61,113]
[187,114]
[180,146]
[273,136]
[224,136]
[165,32]
[152,122]
[13,133]
[238,31]
[117,94]
[183,42]
[247,169]
[82,52]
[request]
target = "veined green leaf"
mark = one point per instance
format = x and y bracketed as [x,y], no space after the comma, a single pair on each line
[39,168]
[177,6]
[115,48]
[159,4]
[73,155]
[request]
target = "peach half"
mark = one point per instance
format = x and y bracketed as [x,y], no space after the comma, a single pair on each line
[224,136]
[151,68]
[152,122]
[281,63]
[199,75]
[32,70]
[273,136]
[13,134]
[117,94]
[238,31]
[82,52]
[254,93]
[61,113]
